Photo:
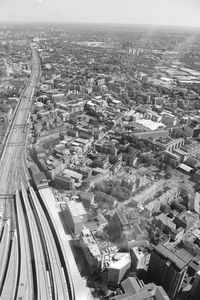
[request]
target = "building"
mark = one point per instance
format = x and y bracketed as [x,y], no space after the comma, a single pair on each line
[73,175]
[86,198]
[194,203]
[117,267]
[169,144]
[149,193]
[169,119]
[135,290]
[121,219]
[165,223]
[131,285]
[108,199]
[138,258]
[187,220]
[192,129]
[39,178]
[195,291]
[91,250]
[61,181]
[76,216]
[191,149]
[167,269]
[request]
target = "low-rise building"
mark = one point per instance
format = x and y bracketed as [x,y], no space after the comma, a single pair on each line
[87,199]
[108,199]
[76,216]
[91,250]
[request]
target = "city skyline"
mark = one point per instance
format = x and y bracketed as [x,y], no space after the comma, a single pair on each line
[153,12]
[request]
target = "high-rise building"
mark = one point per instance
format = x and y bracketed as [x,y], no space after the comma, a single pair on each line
[117,267]
[195,291]
[167,269]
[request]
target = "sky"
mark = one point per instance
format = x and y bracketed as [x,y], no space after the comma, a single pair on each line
[156,12]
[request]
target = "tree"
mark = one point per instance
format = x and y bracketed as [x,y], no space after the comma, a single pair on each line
[177,206]
[104,289]
[130,149]
[164,208]
[114,231]
[168,172]
[102,235]
[141,145]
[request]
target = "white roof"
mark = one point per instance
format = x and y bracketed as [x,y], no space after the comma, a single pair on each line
[119,260]
[185,167]
[150,124]
[76,208]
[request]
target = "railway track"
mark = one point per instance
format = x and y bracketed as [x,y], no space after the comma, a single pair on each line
[57,278]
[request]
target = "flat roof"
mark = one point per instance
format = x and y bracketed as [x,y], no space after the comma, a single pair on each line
[173,257]
[150,124]
[73,174]
[119,260]
[76,208]
[130,285]
[185,167]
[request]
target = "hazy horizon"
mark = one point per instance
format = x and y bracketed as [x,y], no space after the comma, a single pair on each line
[181,13]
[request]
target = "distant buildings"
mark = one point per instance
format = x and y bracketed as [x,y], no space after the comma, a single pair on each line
[169,144]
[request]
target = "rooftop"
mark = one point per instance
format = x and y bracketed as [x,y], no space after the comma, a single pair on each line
[119,260]
[176,259]
[76,208]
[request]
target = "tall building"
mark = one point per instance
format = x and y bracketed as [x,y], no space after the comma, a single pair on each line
[167,269]
[117,267]
[195,291]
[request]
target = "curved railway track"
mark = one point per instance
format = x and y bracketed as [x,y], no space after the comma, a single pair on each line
[60,291]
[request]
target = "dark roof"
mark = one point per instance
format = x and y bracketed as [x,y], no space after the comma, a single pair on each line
[171,256]
[130,285]
[122,218]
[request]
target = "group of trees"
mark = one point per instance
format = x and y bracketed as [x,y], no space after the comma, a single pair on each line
[174,205]
[114,231]
[114,189]
[177,205]
[135,142]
